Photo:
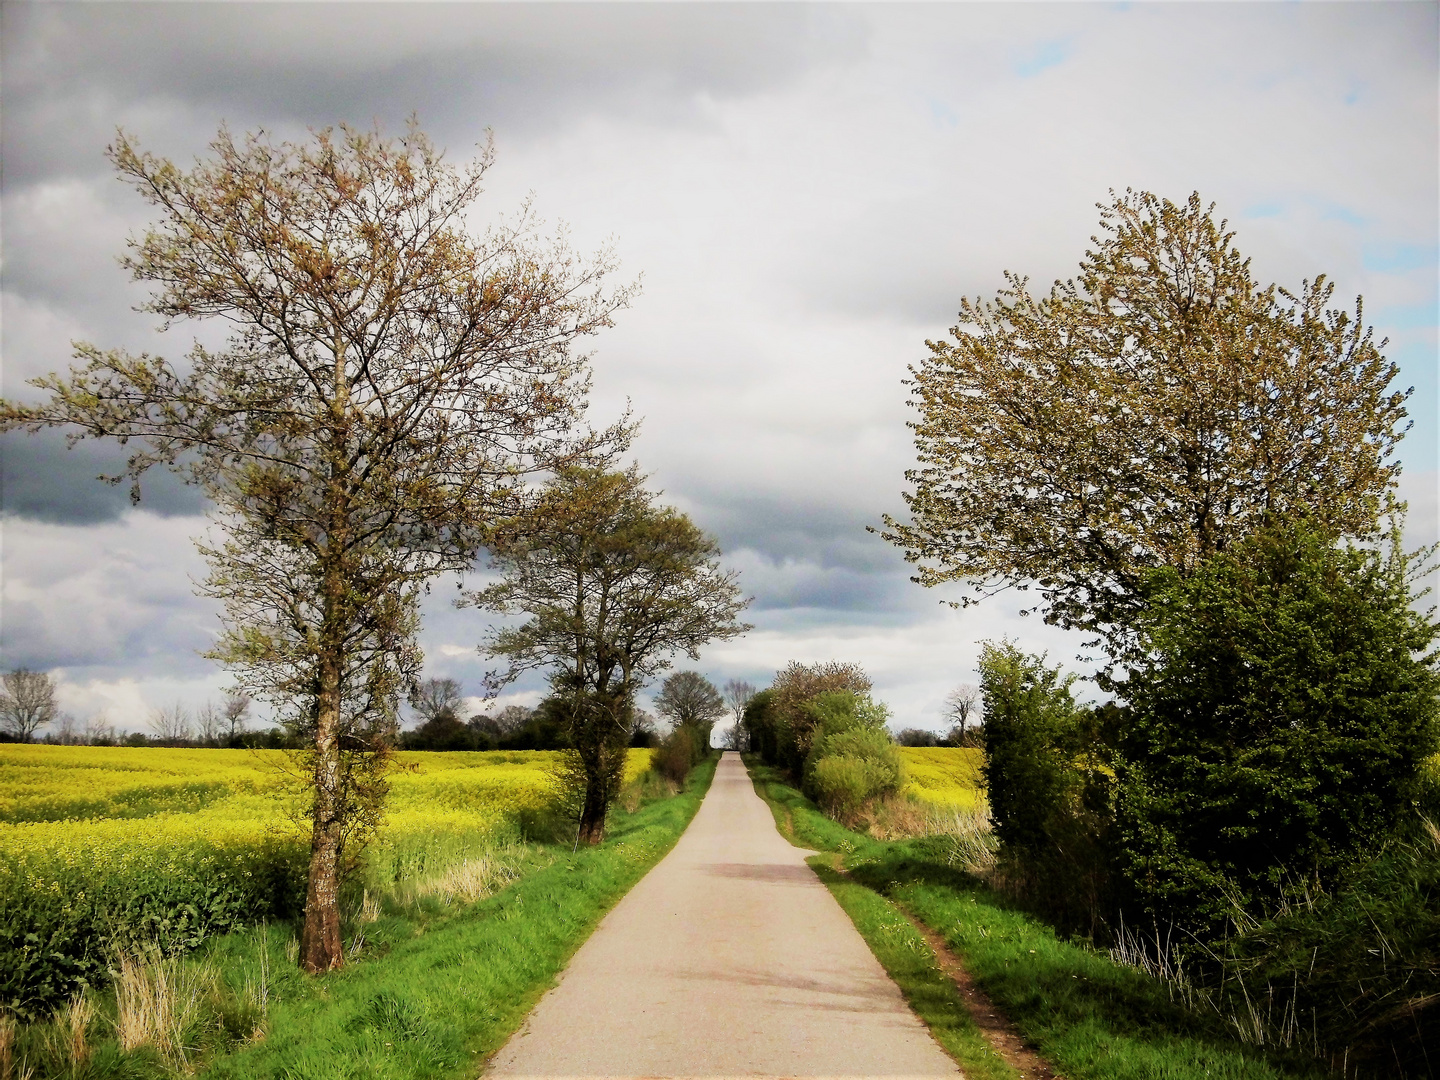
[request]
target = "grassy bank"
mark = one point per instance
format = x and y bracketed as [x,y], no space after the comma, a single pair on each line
[1089,1017]
[436,986]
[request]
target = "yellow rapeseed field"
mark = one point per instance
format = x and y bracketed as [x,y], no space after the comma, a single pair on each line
[943,775]
[106,847]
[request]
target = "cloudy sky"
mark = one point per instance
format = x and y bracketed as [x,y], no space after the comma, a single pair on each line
[807,191]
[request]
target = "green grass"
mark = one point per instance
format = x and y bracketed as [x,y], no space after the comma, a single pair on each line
[438,996]
[1091,1018]
[911,963]
[433,991]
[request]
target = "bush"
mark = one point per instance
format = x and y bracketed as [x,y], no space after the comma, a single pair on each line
[1047,785]
[1357,970]
[852,758]
[1279,716]
[677,754]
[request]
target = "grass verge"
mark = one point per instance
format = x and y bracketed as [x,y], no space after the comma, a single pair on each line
[436,984]
[1089,1017]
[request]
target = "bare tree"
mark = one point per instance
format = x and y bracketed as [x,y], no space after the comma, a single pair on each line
[98,729]
[437,699]
[67,730]
[210,723]
[962,706]
[390,386]
[171,724]
[27,702]
[737,694]
[236,711]
[512,718]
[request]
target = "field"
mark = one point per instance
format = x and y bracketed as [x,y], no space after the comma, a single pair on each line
[947,777]
[109,847]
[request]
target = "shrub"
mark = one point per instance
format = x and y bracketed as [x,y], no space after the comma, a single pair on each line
[1279,715]
[1046,783]
[677,754]
[852,758]
[791,695]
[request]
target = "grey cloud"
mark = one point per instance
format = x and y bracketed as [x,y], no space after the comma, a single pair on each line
[71,69]
[43,480]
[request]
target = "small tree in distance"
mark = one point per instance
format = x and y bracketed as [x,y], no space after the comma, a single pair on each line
[613,585]
[737,694]
[236,712]
[962,706]
[688,699]
[27,702]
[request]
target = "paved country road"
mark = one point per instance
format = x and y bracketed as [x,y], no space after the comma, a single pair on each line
[729,958]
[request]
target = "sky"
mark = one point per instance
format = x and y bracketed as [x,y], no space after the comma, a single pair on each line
[804,193]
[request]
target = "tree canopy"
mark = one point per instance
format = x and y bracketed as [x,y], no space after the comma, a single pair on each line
[1147,414]
[688,699]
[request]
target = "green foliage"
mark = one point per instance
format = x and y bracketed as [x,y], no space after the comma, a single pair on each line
[790,725]
[759,720]
[852,758]
[1047,787]
[1279,715]
[677,754]
[1359,968]
[61,922]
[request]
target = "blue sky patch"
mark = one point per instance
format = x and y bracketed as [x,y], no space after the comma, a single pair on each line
[1400,258]
[1046,54]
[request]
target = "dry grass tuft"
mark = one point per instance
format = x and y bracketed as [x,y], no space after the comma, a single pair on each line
[7,1047]
[158,1001]
[69,1034]
[471,880]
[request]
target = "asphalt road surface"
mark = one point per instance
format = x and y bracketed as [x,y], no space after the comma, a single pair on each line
[730,958]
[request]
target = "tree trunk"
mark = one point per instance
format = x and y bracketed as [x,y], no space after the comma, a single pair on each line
[321,948]
[592,812]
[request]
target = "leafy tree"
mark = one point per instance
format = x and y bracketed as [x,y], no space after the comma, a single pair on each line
[1280,710]
[688,699]
[27,702]
[389,385]
[613,586]
[1148,414]
[793,687]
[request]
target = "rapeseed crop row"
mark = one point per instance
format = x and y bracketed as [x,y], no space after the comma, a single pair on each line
[103,849]
[947,777]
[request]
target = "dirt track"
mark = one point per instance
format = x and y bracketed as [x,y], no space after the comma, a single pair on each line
[728,959]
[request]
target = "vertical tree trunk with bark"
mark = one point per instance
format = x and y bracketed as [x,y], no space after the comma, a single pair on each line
[321,948]
[592,813]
